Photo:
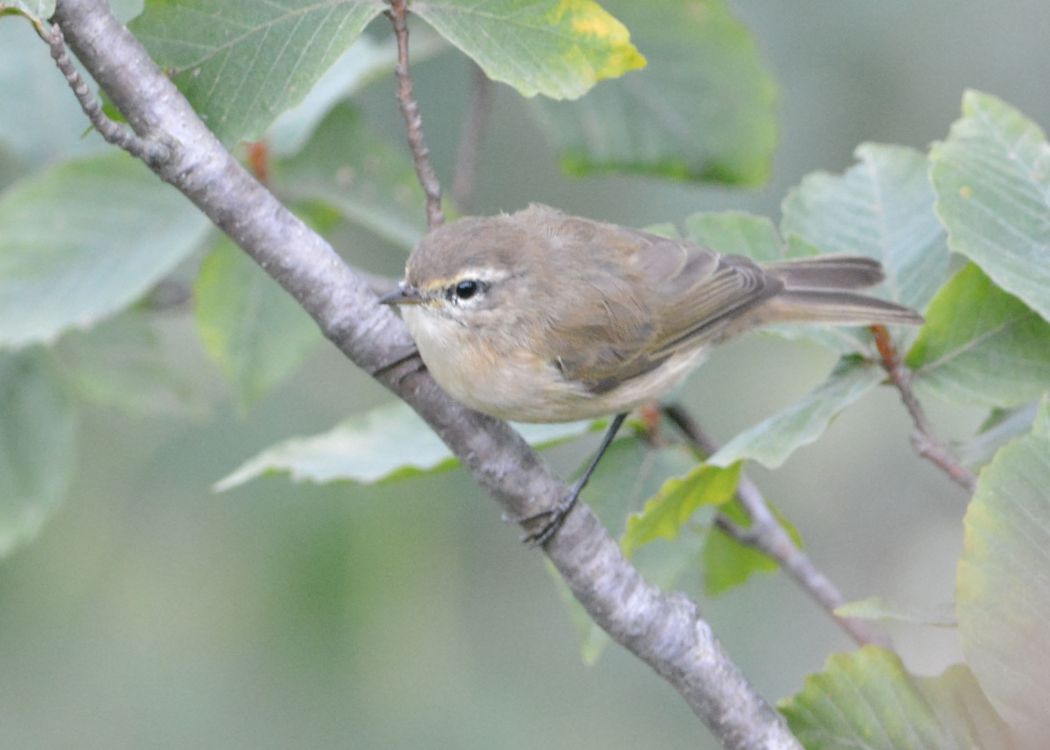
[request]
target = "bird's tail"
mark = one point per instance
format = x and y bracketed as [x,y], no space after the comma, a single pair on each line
[819,290]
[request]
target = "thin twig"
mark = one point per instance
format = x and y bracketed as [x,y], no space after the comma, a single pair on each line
[767,535]
[924,439]
[471,137]
[413,119]
[115,133]
[665,630]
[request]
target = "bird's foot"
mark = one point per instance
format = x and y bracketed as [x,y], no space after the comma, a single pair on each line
[554,518]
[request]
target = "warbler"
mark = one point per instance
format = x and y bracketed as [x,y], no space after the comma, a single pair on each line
[540,316]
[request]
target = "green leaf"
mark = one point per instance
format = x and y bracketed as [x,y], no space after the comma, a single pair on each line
[387,443]
[866,700]
[240,62]
[678,499]
[1002,588]
[882,207]
[37,445]
[118,232]
[877,608]
[981,345]
[256,332]
[1001,427]
[771,442]
[364,177]
[862,700]
[122,364]
[737,233]
[558,48]
[703,108]
[992,178]
[365,61]
[727,563]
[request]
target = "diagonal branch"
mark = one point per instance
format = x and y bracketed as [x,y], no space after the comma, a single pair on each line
[924,439]
[664,630]
[398,15]
[767,535]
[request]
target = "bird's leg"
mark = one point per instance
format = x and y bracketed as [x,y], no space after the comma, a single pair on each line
[557,514]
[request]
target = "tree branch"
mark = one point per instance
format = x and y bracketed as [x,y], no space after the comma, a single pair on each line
[471,137]
[767,535]
[924,439]
[664,630]
[398,14]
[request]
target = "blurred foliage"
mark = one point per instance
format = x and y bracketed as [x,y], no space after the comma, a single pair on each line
[85,240]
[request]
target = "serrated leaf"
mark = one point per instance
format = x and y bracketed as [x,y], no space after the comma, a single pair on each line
[981,345]
[772,441]
[387,443]
[877,608]
[118,232]
[678,499]
[365,61]
[122,364]
[726,562]
[867,701]
[1002,589]
[558,48]
[881,207]
[37,445]
[992,178]
[703,108]
[254,330]
[862,700]
[241,63]
[360,174]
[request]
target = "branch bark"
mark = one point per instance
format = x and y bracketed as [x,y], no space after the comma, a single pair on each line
[924,439]
[664,630]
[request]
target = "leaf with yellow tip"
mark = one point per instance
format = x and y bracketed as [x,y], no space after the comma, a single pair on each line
[665,513]
[558,48]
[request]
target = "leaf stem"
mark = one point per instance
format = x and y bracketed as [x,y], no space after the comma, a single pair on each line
[924,439]
[428,179]
[767,535]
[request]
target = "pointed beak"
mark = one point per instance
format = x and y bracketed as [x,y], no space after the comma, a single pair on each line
[405,294]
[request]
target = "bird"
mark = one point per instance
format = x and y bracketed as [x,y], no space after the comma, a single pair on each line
[543,316]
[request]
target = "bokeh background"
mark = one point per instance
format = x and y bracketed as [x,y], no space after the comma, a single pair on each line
[154,613]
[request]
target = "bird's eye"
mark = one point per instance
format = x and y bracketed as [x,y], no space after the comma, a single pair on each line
[467,289]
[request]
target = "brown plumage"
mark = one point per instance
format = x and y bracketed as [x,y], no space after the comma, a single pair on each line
[571,318]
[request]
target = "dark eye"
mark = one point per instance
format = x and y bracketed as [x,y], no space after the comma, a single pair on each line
[467,289]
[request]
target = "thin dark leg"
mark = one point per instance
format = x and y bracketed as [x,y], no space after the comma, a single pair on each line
[557,514]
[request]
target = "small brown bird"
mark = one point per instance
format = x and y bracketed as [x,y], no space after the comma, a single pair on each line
[539,316]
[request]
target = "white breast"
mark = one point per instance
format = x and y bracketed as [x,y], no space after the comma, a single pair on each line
[510,382]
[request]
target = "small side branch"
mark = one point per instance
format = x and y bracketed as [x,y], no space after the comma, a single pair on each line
[924,439]
[768,536]
[471,137]
[413,119]
[119,135]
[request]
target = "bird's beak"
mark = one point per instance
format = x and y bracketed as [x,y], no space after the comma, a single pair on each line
[405,294]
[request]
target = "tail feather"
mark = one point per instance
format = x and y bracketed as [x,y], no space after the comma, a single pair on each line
[837,307]
[828,272]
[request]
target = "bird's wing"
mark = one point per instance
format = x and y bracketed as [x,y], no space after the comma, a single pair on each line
[641,300]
